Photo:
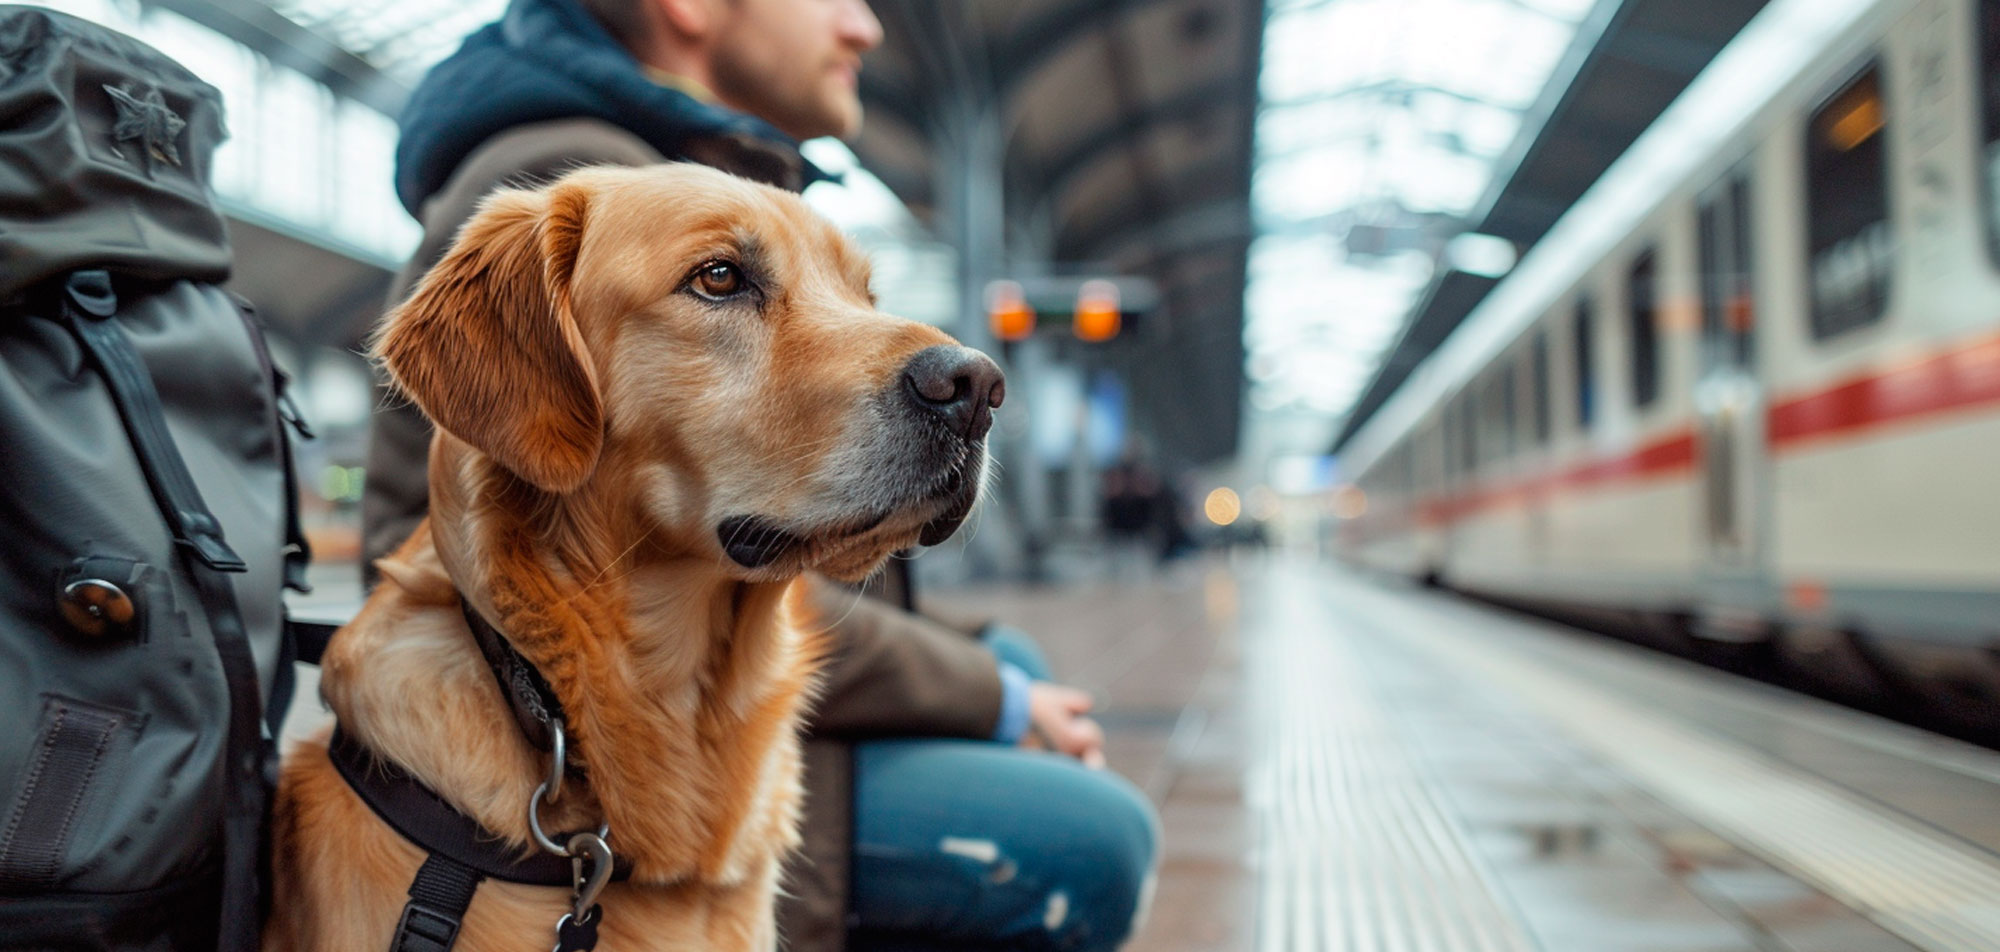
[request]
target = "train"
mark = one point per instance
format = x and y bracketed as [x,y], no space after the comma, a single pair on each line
[1746,392]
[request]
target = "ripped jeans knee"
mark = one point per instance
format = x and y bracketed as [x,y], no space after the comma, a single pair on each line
[969,845]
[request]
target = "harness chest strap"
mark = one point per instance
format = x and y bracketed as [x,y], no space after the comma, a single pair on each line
[462,853]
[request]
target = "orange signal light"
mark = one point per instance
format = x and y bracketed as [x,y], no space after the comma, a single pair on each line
[1007,311]
[1097,315]
[1013,323]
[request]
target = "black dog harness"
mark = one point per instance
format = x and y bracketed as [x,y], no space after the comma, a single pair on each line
[462,853]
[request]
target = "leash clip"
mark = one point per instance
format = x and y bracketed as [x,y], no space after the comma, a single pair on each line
[590,865]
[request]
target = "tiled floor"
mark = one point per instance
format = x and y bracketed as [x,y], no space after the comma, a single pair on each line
[1341,765]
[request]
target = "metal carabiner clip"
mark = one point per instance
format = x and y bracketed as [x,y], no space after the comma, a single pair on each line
[590,865]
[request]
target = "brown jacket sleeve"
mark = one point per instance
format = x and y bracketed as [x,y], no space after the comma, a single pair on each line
[893,672]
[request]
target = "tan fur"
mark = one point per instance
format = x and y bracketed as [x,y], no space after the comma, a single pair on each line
[596,420]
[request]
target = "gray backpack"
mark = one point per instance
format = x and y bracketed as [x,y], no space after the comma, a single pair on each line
[148,510]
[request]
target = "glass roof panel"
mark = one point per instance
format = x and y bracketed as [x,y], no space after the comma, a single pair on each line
[401,37]
[1379,128]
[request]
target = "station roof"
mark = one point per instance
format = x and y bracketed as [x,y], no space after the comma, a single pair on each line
[1132,132]
[1627,63]
[1127,129]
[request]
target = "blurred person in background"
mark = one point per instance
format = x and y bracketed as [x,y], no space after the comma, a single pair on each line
[1130,497]
[1141,514]
[1175,541]
[926,827]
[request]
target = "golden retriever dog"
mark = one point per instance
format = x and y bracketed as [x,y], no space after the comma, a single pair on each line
[661,395]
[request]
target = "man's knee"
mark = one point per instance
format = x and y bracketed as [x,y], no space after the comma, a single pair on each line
[1105,853]
[1038,852]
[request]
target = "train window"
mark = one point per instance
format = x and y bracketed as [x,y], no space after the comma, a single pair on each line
[1454,441]
[1509,421]
[1420,455]
[1538,373]
[1740,328]
[1586,367]
[1727,299]
[1989,71]
[1489,430]
[1468,433]
[1849,243]
[1480,415]
[1461,441]
[1642,299]
[1436,474]
[1455,449]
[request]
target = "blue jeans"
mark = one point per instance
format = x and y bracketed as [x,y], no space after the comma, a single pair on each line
[979,845]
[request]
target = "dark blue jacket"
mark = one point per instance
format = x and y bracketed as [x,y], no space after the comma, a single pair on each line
[545,60]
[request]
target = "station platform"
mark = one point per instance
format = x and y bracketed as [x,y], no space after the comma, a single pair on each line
[1346,763]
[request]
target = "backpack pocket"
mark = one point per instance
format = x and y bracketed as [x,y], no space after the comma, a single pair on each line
[79,756]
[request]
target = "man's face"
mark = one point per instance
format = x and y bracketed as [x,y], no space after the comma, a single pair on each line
[796,63]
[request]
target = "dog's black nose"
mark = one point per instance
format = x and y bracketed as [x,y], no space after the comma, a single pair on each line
[959,384]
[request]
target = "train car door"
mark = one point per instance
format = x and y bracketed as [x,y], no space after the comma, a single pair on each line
[1728,396]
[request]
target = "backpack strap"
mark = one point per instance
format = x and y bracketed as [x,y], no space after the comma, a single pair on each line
[309,638]
[298,552]
[88,301]
[250,759]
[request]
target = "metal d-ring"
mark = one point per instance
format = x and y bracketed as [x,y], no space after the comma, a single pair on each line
[535,825]
[551,789]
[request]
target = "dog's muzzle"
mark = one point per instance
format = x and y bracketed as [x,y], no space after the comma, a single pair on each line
[959,386]
[948,395]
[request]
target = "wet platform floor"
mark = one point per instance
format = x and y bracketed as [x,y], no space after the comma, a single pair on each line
[1343,763]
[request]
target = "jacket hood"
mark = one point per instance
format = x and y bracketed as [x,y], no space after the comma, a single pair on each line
[545,60]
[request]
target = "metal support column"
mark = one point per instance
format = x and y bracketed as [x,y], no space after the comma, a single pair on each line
[971,173]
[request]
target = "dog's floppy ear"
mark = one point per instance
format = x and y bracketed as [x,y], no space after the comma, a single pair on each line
[488,345]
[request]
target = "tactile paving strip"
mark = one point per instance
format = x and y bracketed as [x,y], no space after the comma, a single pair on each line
[1930,889]
[1354,852]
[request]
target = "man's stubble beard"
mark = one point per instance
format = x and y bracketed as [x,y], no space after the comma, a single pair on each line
[807,108]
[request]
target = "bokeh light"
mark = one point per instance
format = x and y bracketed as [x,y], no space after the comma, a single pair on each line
[1222,507]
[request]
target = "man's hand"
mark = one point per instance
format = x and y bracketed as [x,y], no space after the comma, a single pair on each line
[1059,720]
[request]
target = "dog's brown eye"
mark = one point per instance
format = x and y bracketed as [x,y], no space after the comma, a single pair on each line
[718,279]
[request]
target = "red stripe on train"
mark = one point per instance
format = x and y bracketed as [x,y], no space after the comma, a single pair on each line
[1668,454]
[1957,379]
[1664,456]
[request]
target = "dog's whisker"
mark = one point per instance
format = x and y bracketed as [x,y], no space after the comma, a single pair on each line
[852,604]
[620,557]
